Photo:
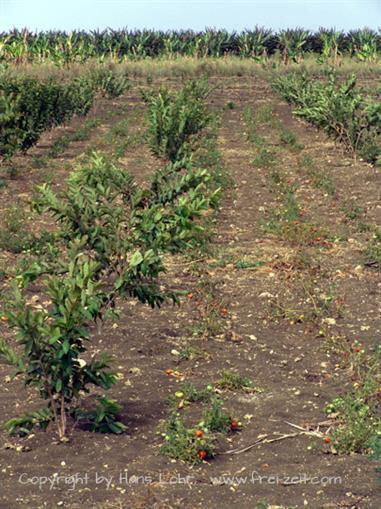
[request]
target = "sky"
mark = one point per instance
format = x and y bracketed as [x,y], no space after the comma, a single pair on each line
[195,14]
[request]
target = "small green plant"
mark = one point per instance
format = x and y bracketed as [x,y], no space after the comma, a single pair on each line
[118,130]
[59,146]
[110,84]
[248,264]
[351,210]
[252,128]
[230,105]
[211,310]
[104,418]
[265,114]
[190,353]
[231,380]
[189,445]
[265,505]
[214,417]
[288,138]
[373,251]
[13,236]
[265,157]
[193,444]
[24,425]
[376,453]
[358,424]
[323,181]
[188,393]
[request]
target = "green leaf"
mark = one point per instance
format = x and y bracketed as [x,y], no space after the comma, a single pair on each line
[65,346]
[136,259]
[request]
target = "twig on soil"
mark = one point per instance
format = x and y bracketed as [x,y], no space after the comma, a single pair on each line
[238,451]
[315,432]
[265,440]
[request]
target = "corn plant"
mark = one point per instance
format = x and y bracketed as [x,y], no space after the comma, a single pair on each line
[254,43]
[331,41]
[363,44]
[292,44]
[66,48]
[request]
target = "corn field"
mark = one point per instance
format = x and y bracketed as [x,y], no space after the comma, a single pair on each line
[259,43]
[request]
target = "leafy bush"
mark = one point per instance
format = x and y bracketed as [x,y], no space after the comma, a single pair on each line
[100,213]
[175,117]
[92,206]
[109,83]
[53,339]
[28,106]
[338,108]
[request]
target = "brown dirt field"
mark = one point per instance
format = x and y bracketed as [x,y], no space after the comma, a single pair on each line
[285,356]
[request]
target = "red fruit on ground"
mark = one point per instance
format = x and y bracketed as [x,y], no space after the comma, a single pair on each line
[202,454]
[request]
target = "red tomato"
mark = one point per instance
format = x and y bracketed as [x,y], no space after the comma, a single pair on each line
[234,425]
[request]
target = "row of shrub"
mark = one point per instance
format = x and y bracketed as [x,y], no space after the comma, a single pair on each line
[29,106]
[338,107]
[111,240]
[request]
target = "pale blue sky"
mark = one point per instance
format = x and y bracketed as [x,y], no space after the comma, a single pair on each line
[195,14]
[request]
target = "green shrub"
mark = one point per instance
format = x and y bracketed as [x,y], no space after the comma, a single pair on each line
[338,108]
[109,83]
[29,106]
[53,339]
[176,117]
